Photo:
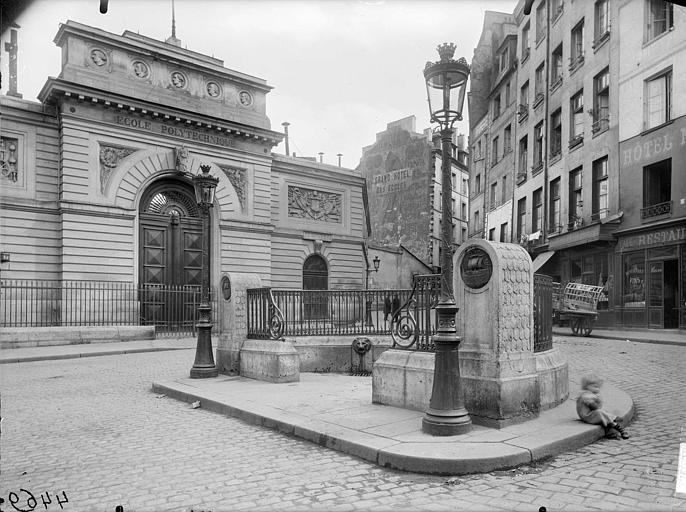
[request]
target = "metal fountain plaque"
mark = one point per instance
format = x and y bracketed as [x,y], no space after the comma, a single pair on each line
[476,267]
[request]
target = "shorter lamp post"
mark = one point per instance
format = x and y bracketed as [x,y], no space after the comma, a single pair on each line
[446,84]
[368,303]
[204,367]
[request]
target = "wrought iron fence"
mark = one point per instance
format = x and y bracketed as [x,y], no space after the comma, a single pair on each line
[32,303]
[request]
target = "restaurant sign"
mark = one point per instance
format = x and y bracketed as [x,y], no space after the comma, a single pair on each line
[661,237]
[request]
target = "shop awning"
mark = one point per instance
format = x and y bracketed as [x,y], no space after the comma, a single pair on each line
[540,259]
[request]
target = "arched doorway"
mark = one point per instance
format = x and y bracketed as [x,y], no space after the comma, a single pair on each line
[315,277]
[170,256]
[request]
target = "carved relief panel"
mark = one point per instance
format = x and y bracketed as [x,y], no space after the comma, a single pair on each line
[110,156]
[315,205]
[238,179]
[9,160]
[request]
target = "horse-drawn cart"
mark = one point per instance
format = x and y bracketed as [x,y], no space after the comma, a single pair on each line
[578,304]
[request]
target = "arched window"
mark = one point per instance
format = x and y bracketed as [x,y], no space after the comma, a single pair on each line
[315,277]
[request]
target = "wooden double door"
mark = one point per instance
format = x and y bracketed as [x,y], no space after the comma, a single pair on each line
[170,262]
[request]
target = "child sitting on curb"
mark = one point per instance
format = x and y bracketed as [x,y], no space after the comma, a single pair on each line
[589,408]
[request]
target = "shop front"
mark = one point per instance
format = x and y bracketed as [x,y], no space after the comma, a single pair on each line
[652,291]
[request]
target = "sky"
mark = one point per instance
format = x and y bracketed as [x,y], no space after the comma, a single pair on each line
[341,69]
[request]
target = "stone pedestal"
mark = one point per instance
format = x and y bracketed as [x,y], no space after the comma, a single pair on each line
[403,378]
[494,292]
[232,305]
[270,360]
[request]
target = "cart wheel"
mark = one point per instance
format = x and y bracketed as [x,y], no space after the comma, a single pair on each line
[587,327]
[574,323]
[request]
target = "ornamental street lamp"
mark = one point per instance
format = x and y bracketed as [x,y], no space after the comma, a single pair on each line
[203,367]
[368,303]
[446,84]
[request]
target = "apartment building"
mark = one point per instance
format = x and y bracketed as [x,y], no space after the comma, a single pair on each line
[592,196]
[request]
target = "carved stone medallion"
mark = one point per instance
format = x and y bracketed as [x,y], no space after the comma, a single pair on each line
[245,98]
[213,89]
[98,56]
[178,80]
[141,69]
[476,267]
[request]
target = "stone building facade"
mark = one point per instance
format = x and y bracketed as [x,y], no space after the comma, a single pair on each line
[585,72]
[98,182]
[403,173]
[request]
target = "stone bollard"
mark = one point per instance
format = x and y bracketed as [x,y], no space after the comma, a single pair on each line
[494,292]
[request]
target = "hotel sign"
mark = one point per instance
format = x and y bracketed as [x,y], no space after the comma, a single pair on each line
[649,148]
[661,237]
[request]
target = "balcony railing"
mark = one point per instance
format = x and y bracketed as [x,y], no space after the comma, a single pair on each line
[538,99]
[600,125]
[576,140]
[522,111]
[656,210]
[576,61]
[598,41]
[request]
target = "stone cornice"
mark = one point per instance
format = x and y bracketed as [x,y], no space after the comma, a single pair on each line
[56,90]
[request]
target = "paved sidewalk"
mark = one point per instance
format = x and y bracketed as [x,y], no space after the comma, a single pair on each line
[336,411]
[663,337]
[29,354]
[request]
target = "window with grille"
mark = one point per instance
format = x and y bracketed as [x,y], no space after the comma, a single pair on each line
[658,99]
[600,189]
[659,18]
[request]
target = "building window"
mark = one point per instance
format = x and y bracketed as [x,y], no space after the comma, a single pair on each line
[464,186]
[659,18]
[600,189]
[538,147]
[491,234]
[478,149]
[575,198]
[476,220]
[577,49]
[507,139]
[556,7]
[525,41]
[576,128]
[537,211]
[507,94]
[478,184]
[658,104]
[496,106]
[556,132]
[602,21]
[523,157]
[523,109]
[556,69]
[503,232]
[495,151]
[601,101]
[521,218]
[504,59]
[555,224]
[540,21]
[503,191]
[539,84]
[657,189]
[494,189]
[464,234]
[463,211]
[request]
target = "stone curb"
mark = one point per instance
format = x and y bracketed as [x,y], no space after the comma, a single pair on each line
[78,355]
[455,458]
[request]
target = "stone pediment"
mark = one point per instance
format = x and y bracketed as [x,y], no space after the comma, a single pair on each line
[144,68]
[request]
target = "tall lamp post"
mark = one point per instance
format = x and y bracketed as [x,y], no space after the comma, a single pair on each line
[368,303]
[446,84]
[204,367]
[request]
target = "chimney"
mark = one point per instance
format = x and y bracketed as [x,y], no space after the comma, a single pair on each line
[285,125]
[339,155]
[321,157]
[12,48]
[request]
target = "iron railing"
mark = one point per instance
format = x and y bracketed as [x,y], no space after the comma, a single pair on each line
[32,303]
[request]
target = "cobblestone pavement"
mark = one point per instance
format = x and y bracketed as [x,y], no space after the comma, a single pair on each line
[93,429]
